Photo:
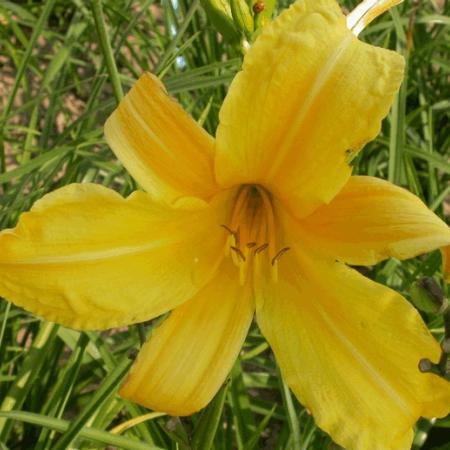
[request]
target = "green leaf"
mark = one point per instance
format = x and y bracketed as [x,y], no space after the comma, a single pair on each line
[105,391]
[208,423]
[102,437]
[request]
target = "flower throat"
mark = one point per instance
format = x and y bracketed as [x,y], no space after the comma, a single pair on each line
[251,241]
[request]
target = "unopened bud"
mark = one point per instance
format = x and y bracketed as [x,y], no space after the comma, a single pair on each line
[219,13]
[242,17]
[427,295]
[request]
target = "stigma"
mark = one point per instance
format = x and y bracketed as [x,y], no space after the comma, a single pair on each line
[252,238]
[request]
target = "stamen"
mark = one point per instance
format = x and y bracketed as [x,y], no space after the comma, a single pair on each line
[367,11]
[251,232]
[228,229]
[261,248]
[238,252]
[280,254]
[237,236]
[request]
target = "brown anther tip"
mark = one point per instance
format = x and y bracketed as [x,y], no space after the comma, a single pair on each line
[251,244]
[425,365]
[239,252]
[227,228]
[261,248]
[280,254]
[259,7]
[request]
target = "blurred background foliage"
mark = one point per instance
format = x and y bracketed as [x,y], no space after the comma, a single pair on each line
[58,386]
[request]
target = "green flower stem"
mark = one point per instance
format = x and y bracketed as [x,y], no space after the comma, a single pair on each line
[423,428]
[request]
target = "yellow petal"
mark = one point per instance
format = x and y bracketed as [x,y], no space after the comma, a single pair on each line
[310,95]
[161,146]
[188,357]
[88,258]
[349,348]
[371,220]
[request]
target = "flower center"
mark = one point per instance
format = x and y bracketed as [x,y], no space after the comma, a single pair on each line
[251,241]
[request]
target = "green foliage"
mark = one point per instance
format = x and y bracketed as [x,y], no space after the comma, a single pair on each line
[64,65]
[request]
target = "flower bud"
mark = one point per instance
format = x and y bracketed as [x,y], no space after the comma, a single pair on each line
[427,296]
[242,17]
[219,13]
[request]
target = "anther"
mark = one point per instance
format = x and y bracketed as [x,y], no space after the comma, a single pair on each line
[280,254]
[261,248]
[237,236]
[228,229]
[238,252]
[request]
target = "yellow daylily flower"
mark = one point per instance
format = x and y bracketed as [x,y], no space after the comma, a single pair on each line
[264,217]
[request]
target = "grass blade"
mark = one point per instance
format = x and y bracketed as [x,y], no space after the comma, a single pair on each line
[106,390]
[102,437]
